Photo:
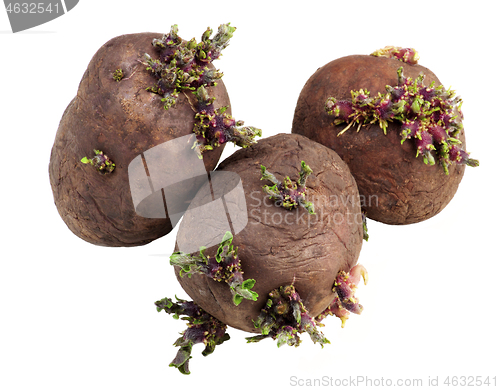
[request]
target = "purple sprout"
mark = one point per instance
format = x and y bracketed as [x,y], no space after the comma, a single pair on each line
[384,109]
[342,109]
[225,266]
[182,68]
[459,156]
[430,116]
[425,144]
[202,329]
[407,54]
[284,318]
[214,127]
[438,133]
[344,287]
[409,129]
[183,65]
[100,161]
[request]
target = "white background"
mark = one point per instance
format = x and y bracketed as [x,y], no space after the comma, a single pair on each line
[78,316]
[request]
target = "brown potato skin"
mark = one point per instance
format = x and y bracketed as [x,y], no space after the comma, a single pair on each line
[395,187]
[124,120]
[275,251]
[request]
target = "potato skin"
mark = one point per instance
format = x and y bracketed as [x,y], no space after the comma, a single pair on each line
[279,247]
[124,120]
[395,187]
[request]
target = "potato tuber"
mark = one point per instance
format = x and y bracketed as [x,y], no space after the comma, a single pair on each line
[397,128]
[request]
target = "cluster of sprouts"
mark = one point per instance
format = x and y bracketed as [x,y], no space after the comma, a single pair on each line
[283,318]
[100,161]
[288,194]
[185,67]
[429,116]
[202,328]
[403,54]
[225,266]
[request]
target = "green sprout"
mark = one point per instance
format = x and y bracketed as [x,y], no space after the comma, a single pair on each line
[100,161]
[118,74]
[288,194]
[225,266]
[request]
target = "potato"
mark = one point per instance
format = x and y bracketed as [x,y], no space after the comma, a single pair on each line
[395,186]
[119,111]
[277,246]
